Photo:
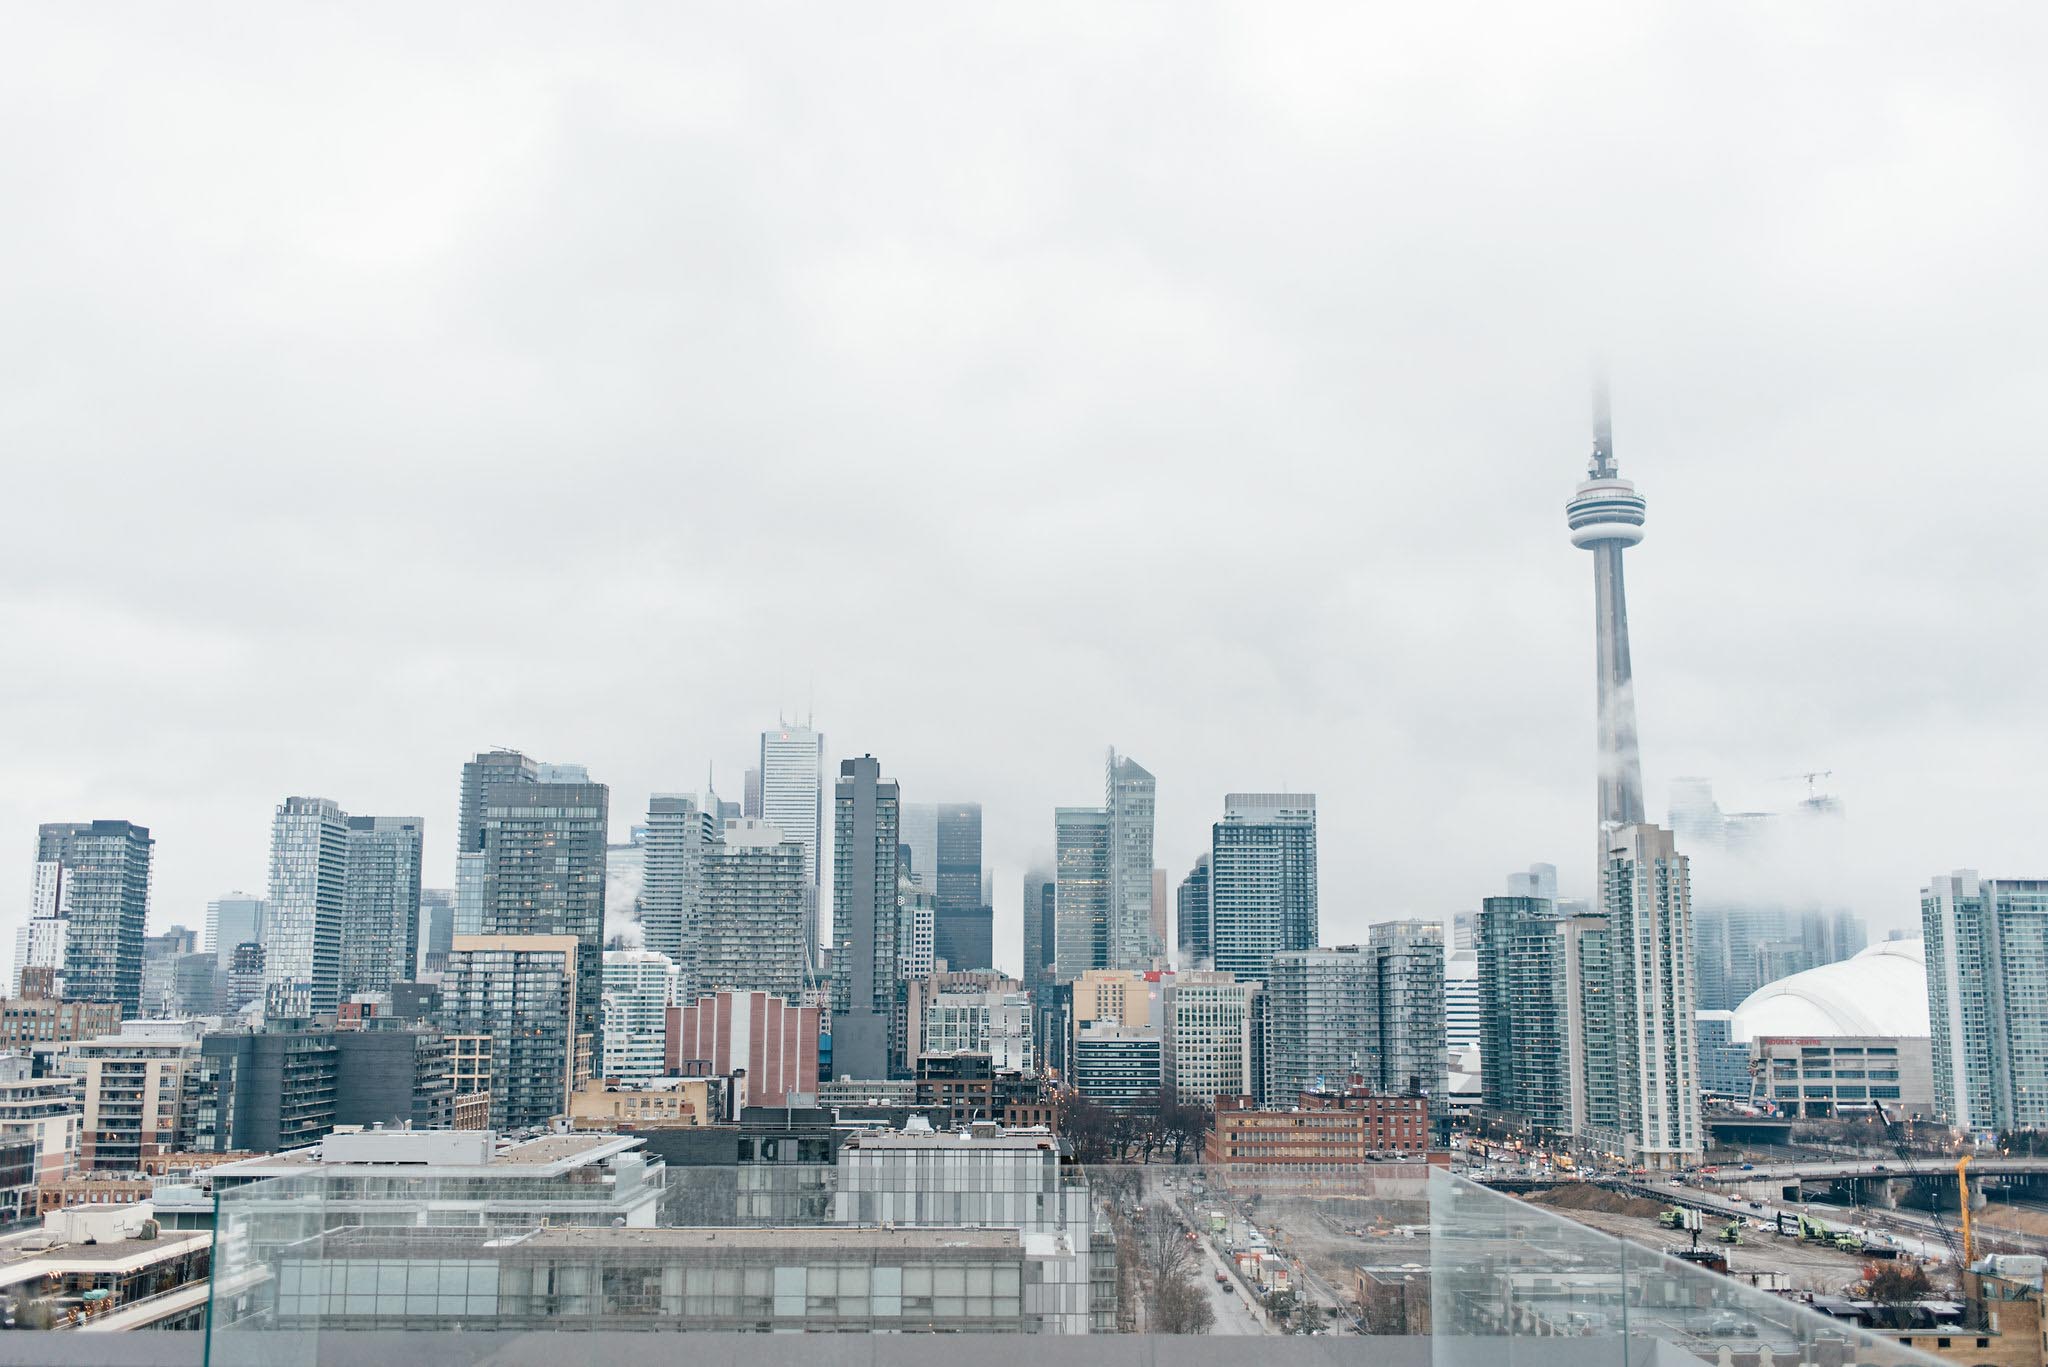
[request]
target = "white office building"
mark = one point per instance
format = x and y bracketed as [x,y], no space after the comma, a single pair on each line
[1208,1037]
[639,988]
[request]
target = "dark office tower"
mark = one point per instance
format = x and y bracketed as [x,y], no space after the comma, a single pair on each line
[750,800]
[380,932]
[963,924]
[544,860]
[105,869]
[479,776]
[1262,880]
[1041,899]
[1191,916]
[308,903]
[864,918]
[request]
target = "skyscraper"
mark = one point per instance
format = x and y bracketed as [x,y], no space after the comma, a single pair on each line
[793,789]
[1040,915]
[233,919]
[749,925]
[918,834]
[308,903]
[1081,862]
[865,999]
[380,931]
[1529,1014]
[681,833]
[514,1000]
[1987,958]
[102,891]
[639,988]
[39,945]
[1606,517]
[1191,917]
[1131,794]
[963,924]
[479,776]
[437,928]
[1408,964]
[1323,1014]
[1648,906]
[750,800]
[1262,880]
[544,865]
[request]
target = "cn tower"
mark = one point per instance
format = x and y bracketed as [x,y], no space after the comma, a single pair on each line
[1606,517]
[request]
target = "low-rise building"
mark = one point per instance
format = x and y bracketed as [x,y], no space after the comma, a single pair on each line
[1323,1129]
[966,1087]
[27,1021]
[94,1189]
[1119,1066]
[986,1177]
[109,1268]
[803,1280]
[666,1103]
[464,1176]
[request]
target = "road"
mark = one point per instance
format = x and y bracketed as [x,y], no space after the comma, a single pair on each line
[1914,1233]
[1235,1314]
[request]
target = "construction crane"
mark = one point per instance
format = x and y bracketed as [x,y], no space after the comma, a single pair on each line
[1811,776]
[1963,1199]
[1904,1149]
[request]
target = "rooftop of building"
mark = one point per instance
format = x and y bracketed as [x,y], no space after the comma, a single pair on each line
[810,1237]
[97,1239]
[1881,991]
[452,1153]
[981,1135]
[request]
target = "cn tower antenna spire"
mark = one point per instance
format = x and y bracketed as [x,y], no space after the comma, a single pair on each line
[1603,466]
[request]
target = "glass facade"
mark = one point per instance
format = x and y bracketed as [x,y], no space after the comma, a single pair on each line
[1987,996]
[105,877]
[1262,881]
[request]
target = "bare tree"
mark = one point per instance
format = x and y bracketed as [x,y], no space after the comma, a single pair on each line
[1180,1307]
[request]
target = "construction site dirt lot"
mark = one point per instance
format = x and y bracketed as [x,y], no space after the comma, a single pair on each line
[1805,1266]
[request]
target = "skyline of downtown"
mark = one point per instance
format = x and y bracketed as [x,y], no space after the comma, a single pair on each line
[1220,415]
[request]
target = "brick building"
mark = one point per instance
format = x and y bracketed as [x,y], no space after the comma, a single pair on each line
[1323,1129]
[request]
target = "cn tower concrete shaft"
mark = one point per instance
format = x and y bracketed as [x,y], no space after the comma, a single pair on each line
[1621,765]
[1606,517]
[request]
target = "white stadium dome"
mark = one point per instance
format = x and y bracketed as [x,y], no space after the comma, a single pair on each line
[1881,991]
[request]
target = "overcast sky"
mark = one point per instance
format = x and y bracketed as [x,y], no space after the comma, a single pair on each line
[379,385]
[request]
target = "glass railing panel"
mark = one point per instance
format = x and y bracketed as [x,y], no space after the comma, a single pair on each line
[1515,1281]
[1394,1262]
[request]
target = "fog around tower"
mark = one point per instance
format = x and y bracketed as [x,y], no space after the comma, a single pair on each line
[1006,385]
